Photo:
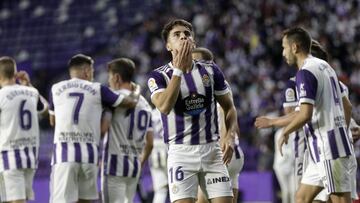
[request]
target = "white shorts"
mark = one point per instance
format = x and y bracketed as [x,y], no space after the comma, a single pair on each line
[323,196]
[235,166]
[70,182]
[117,189]
[298,171]
[193,165]
[16,185]
[333,175]
[159,178]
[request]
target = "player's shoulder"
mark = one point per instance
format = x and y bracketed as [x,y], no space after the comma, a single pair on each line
[144,104]
[165,68]
[314,64]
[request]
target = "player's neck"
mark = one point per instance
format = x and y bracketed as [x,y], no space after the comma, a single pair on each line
[301,59]
[7,82]
[124,85]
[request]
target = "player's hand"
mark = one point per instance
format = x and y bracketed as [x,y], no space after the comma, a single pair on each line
[23,78]
[263,122]
[183,58]
[227,147]
[355,133]
[282,140]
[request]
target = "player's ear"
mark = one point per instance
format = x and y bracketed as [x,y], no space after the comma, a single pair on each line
[168,47]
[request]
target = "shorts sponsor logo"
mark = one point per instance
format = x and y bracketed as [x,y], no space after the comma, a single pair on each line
[174,189]
[217,180]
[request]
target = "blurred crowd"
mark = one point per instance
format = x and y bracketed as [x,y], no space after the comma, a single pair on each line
[245,37]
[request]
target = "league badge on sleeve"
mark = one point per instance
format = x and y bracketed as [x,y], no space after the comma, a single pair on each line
[152,85]
[290,95]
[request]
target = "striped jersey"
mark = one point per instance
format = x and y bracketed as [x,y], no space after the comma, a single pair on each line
[158,157]
[193,119]
[77,105]
[317,84]
[19,127]
[290,100]
[126,138]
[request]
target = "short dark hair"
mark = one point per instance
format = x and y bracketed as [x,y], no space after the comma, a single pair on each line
[299,36]
[78,60]
[170,25]
[318,51]
[206,54]
[7,67]
[124,67]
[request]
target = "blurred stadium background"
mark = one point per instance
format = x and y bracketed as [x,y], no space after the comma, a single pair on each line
[245,37]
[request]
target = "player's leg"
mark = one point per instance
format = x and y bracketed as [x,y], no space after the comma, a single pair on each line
[341,197]
[201,197]
[353,170]
[88,183]
[234,169]
[214,178]
[63,183]
[160,184]
[183,167]
[306,193]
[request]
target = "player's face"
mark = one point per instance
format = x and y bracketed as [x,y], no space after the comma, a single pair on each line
[196,56]
[287,52]
[112,80]
[177,36]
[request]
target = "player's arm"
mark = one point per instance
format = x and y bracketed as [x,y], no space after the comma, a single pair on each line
[105,121]
[149,144]
[132,99]
[282,121]
[111,99]
[165,99]
[347,109]
[232,130]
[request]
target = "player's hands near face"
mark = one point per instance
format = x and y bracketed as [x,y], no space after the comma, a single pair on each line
[183,57]
[263,122]
[23,78]
[282,140]
[227,147]
[355,133]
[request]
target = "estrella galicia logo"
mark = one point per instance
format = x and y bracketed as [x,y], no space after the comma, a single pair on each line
[195,104]
[217,180]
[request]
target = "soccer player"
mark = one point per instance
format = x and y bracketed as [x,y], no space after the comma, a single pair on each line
[75,111]
[158,160]
[20,105]
[237,161]
[130,129]
[186,92]
[322,113]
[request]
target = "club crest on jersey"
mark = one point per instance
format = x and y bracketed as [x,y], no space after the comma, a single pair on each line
[152,85]
[302,90]
[206,80]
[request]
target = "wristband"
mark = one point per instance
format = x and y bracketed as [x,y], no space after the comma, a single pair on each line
[177,72]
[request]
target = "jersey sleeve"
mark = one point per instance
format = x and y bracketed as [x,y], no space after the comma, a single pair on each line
[156,83]
[110,98]
[306,84]
[289,94]
[220,87]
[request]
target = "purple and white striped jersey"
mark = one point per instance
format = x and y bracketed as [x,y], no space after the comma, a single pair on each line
[19,127]
[193,120]
[77,105]
[159,153]
[317,84]
[291,100]
[126,138]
